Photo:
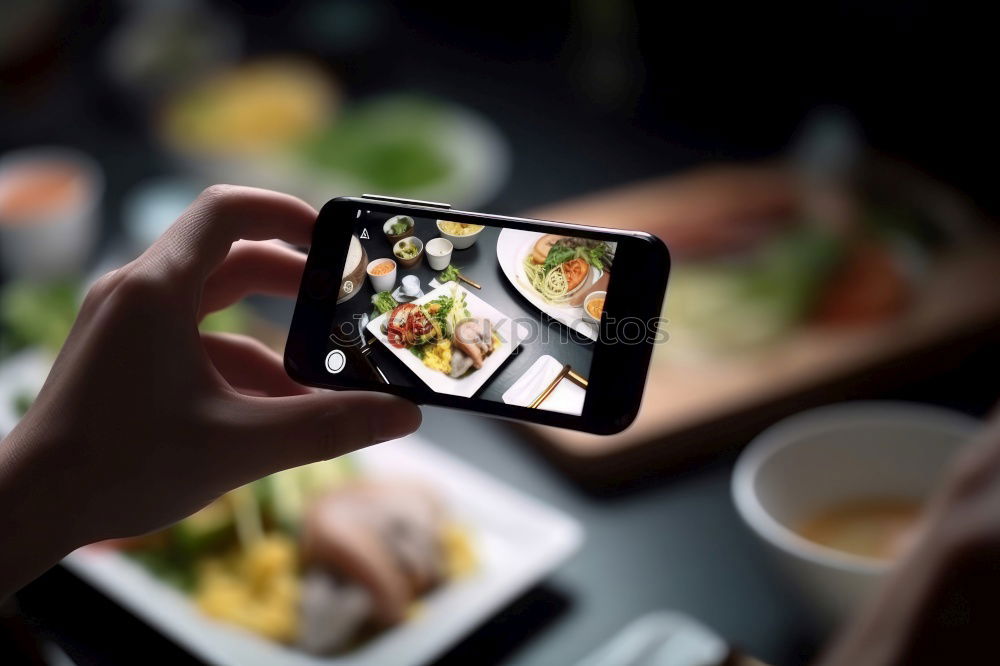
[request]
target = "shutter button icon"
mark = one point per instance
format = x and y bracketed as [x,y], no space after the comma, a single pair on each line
[335,361]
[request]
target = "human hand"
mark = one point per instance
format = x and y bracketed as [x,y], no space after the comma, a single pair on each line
[939,604]
[143,420]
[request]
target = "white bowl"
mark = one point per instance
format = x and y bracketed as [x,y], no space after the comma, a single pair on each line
[413,261]
[828,456]
[460,242]
[395,238]
[55,241]
[587,300]
[383,282]
[438,252]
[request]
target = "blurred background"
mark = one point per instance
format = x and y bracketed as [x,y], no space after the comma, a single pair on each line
[823,176]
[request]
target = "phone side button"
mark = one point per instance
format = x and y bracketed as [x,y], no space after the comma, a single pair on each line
[412,202]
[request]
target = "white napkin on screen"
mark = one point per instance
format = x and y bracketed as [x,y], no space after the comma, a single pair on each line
[566,397]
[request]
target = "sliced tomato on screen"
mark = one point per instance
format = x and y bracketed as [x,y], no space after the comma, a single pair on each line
[575,271]
[397,325]
[420,323]
[396,338]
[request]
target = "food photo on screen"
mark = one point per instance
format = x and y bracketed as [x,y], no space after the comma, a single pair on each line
[471,310]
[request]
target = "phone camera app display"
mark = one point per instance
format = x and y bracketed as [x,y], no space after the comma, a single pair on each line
[475,311]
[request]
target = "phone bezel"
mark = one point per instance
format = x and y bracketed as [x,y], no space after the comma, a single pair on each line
[618,372]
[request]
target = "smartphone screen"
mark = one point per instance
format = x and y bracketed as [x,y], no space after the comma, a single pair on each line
[496,314]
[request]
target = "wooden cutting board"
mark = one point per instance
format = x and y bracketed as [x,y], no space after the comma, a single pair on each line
[692,410]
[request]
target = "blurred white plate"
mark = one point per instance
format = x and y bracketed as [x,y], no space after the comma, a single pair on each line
[511,333]
[518,541]
[21,378]
[513,245]
[474,147]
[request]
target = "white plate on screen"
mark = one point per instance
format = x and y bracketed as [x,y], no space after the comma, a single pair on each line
[518,541]
[510,332]
[513,245]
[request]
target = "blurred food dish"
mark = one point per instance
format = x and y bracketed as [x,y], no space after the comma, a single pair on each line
[389,143]
[781,286]
[37,314]
[410,146]
[762,251]
[311,559]
[833,258]
[312,556]
[358,560]
[258,109]
[845,459]
[50,202]
[280,123]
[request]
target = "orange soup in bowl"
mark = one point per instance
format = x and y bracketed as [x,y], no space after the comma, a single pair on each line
[382,268]
[595,307]
[878,528]
[39,190]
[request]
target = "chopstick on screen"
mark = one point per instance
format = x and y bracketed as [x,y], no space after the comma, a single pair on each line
[566,369]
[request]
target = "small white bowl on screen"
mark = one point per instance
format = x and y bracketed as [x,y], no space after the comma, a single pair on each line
[461,235]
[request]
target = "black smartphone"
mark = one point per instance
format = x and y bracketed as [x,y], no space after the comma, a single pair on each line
[538,321]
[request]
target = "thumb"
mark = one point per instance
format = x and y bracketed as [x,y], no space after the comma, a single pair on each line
[283,432]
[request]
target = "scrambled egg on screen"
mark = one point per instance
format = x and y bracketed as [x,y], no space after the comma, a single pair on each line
[438,356]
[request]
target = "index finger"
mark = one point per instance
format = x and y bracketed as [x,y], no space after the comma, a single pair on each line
[201,237]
